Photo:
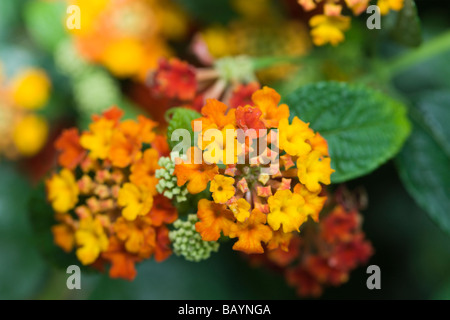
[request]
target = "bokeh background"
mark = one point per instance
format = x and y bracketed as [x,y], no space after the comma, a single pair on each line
[412,252]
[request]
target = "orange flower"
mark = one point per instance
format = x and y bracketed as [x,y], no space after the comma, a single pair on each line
[64,236]
[215,115]
[127,141]
[71,150]
[114,114]
[214,219]
[143,171]
[125,147]
[280,240]
[122,262]
[318,143]
[160,144]
[163,212]
[138,235]
[198,175]
[267,100]
[251,233]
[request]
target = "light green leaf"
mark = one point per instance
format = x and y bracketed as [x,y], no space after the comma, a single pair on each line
[363,127]
[45,22]
[181,118]
[424,162]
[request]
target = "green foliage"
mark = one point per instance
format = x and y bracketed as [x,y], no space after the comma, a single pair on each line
[181,118]
[363,127]
[202,9]
[424,162]
[22,269]
[42,220]
[407,29]
[8,17]
[44,22]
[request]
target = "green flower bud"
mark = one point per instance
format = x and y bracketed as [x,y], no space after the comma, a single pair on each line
[187,242]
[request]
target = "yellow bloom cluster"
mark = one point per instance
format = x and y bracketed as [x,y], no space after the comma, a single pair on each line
[330,25]
[23,133]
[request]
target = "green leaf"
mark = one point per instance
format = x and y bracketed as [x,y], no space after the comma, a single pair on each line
[45,22]
[181,118]
[424,162]
[363,127]
[42,219]
[201,10]
[22,269]
[407,28]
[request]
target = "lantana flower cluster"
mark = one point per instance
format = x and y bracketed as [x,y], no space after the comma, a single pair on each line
[105,198]
[257,199]
[23,132]
[325,254]
[128,36]
[329,25]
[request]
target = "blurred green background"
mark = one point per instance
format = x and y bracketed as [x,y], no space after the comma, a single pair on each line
[413,253]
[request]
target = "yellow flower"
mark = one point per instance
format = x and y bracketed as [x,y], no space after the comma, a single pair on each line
[286,209]
[328,29]
[136,201]
[31,89]
[313,169]
[293,137]
[63,191]
[124,57]
[386,5]
[30,135]
[313,202]
[222,188]
[98,139]
[217,40]
[241,209]
[91,239]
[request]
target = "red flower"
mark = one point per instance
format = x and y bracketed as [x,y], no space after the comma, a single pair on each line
[242,95]
[175,79]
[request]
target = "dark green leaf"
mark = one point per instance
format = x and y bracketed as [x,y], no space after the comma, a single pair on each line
[424,162]
[363,127]
[22,269]
[407,29]
[202,9]
[42,219]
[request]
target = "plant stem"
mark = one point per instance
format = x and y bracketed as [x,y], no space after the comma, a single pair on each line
[427,51]
[267,62]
